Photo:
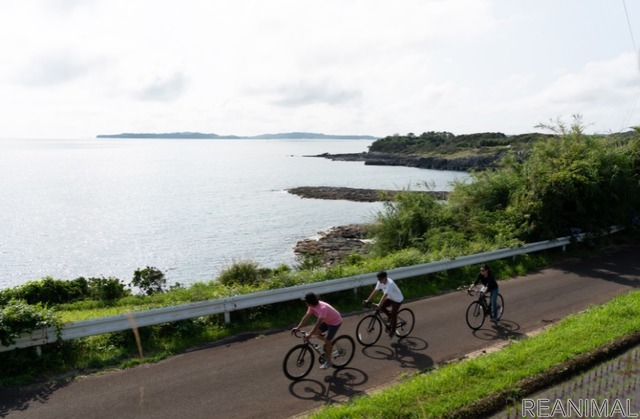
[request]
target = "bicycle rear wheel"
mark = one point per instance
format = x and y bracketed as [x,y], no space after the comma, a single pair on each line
[369,330]
[406,321]
[298,362]
[475,315]
[344,348]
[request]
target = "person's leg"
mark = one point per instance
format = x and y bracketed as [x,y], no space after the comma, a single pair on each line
[494,304]
[328,343]
[384,309]
[393,317]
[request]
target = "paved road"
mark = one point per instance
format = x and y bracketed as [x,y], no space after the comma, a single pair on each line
[244,379]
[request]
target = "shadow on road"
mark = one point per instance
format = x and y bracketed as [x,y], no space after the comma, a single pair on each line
[340,384]
[502,330]
[405,351]
[19,399]
[611,266]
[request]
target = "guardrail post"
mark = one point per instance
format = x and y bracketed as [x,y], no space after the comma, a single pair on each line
[227,317]
[39,351]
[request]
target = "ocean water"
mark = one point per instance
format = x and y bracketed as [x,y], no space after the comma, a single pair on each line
[105,207]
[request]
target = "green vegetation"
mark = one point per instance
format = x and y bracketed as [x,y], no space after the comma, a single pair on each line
[447,390]
[447,144]
[19,317]
[568,182]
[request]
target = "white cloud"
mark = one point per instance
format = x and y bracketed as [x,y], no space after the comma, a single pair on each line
[81,68]
[164,89]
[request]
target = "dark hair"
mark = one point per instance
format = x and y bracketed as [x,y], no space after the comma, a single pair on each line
[311,299]
[381,274]
[485,266]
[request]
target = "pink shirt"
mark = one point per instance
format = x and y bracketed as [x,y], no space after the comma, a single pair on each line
[326,313]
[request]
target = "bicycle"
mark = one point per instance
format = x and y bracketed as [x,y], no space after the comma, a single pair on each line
[369,328]
[300,359]
[481,308]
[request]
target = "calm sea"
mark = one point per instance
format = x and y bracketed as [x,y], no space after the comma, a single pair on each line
[105,207]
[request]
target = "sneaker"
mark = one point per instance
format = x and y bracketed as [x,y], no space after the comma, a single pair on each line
[325,366]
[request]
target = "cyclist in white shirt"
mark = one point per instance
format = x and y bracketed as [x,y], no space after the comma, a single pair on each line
[391,296]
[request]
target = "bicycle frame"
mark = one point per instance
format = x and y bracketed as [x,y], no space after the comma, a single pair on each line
[300,359]
[475,318]
[382,316]
[370,327]
[306,339]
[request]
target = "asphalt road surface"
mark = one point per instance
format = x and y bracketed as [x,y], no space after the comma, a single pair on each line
[244,378]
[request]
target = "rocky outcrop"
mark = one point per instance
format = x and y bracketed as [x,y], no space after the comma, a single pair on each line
[463,164]
[354,194]
[333,246]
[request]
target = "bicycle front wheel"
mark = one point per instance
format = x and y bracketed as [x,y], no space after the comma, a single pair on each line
[475,315]
[500,303]
[406,321]
[344,348]
[369,330]
[298,362]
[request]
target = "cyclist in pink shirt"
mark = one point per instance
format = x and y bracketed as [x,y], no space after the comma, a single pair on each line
[329,321]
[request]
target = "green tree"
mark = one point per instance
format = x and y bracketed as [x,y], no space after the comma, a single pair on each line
[150,280]
[404,221]
[578,181]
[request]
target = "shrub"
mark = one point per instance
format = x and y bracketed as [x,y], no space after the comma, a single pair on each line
[107,289]
[18,317]
[243,273]
[150,280]
[404,221]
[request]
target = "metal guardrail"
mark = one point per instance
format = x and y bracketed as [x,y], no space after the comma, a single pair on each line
[228,305]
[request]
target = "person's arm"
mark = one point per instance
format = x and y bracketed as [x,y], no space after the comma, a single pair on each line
[382,300]
[316,328]
[368,300]
[303,321]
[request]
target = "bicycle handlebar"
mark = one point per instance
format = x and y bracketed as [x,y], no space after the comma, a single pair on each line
[298,333]
[369,305]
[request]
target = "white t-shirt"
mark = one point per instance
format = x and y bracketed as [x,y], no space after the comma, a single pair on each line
[391,290]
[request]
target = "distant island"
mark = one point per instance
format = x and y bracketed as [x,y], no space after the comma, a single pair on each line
[203,136]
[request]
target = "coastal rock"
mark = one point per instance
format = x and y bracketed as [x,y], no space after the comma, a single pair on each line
[333,246]
[354,194]
[463,164]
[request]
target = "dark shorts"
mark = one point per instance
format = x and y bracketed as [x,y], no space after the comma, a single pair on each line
[330,330]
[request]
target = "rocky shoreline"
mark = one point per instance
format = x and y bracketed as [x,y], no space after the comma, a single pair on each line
[333,246]
[355,194]
[463,164]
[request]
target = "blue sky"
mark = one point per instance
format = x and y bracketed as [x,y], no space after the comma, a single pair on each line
[78,68]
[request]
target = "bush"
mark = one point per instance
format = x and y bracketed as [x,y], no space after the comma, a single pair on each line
[404,221]
[107,289]
[244,273]
[48,291]
[150,280]
[18,317]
